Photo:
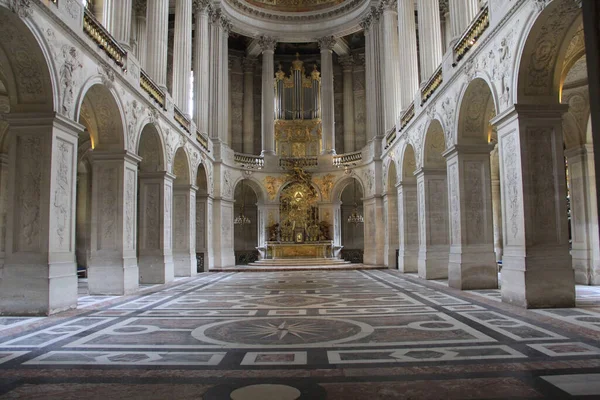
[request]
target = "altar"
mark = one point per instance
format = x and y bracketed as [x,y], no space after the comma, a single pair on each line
[286,250]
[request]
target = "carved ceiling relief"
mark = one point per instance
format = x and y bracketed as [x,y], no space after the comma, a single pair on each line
[541,61]
[25,66]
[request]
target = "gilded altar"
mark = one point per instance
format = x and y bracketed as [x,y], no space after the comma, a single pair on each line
[281,250]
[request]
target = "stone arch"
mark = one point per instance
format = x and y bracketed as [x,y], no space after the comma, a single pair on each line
[181,167]
[100,112]
[434,146]
[202,179]
[261,194]
[336,193]
[408,164]
[477,107]
[151,149]
[542,53]
[392,177]
[575,93]
[246,236]
[27,69]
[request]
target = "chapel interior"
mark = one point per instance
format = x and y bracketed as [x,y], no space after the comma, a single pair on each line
[299,199]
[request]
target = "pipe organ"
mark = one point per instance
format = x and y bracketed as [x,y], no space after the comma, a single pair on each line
[298,111]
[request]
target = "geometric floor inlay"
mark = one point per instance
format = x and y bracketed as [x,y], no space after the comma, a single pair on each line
[309,334]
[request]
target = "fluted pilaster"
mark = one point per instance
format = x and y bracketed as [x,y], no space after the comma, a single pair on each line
[119,21]
[430,37]
[201,65]
[182,54]
[391,64]
[407,30]
[349,132]
[462,12]
[267,45]
[156,62]
[327,96]
[140,32]
[248,110]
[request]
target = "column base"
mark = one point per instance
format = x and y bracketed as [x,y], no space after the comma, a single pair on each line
[471,270]
[156,268]
[408,260]
[38,289]
[433,263]
[185,264]
[538,282]
[115,278]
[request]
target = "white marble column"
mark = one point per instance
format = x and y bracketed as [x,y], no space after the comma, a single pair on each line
[39,273]
[248,111]
[407,30]
[140,32]
[119,16]
[375,106]
[390,217]
[430,38]
[267,45]
[496,202]
[101,12]
[472,264]
[408,227]
[432,198]
[327,95]
[349,132]
[113,267]
[584,219]
[462,13]
[201,67]
[157,19]
[184,230]
[215,56]
[156,220]
[391,67]
[537,269]
[182,54]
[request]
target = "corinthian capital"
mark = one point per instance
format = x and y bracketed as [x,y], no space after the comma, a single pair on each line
[140,8]
[326,43]
[391,5]
[347,62]
[267,43]
[201,6]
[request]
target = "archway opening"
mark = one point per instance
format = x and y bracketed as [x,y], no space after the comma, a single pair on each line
[390,215]
[352,230]
[408,216]
[202,212]
[245,228]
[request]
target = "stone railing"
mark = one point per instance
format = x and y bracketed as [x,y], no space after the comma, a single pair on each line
[249,161]
[408,115]
[432,84]
[472,34]
[103,39]
[347,159]
[302,162]
[203,140]
[152,89]
[182,119]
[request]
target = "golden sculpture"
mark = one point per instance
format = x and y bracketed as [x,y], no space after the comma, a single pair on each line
[325,184]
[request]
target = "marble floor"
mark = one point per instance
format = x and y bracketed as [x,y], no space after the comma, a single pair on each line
[358,334]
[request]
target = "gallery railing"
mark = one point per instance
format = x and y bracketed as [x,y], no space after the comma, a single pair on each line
[249,161]
[103,39]
[472,34]
[348,159]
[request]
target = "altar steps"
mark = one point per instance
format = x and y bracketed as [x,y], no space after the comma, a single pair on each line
[299,262]
[300,265]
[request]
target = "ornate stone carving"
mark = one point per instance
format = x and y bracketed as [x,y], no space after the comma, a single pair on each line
[179,228]
[107,76]
[152,215]
[134,110]
[474,204]
[61,203]
[130,199]
[267,43]
[448,112]
[202,6]
[29,182]
[108,206]
[68,81]
[325,184]
[454,203]
[227,184]
[168,219]
[422,214]
[326,43]
[140,7]
[511,179]
[369,179]
[21,7]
